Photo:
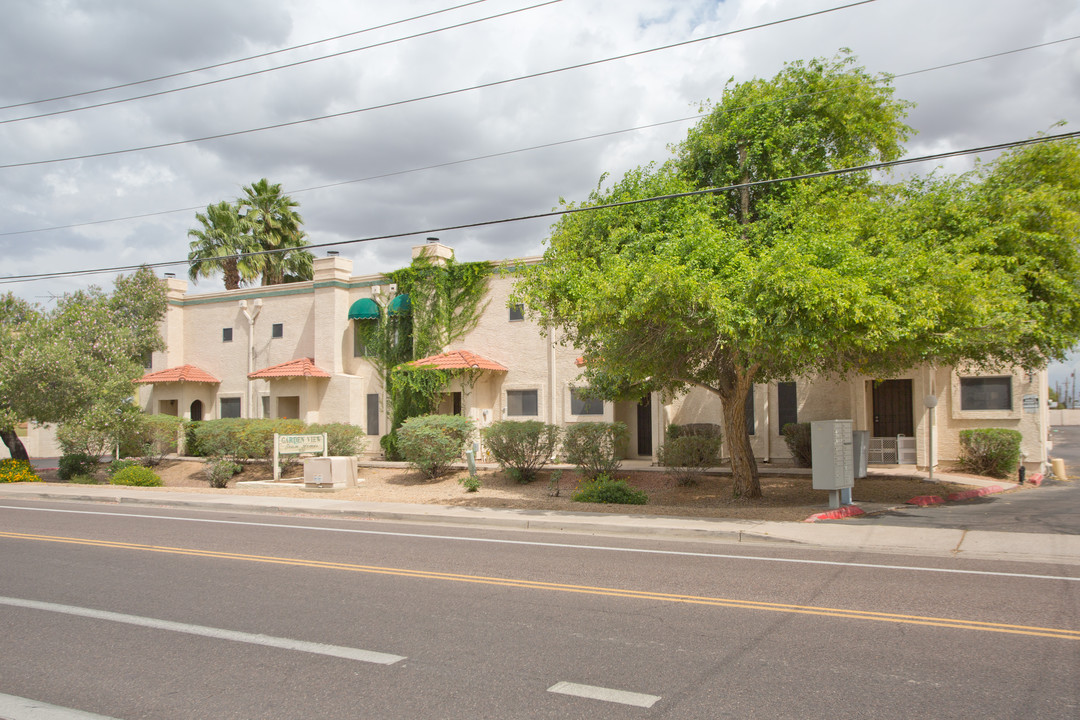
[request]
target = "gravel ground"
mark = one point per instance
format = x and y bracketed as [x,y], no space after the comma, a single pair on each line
[785,498]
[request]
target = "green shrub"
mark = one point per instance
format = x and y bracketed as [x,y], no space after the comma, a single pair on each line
[521,448]
[76,463]
[430,443]
[83,480]
[152,438]
[603,489]
[78,439]
[13,471]
[219,471]
[389,445]
[136,475]
[990,451]
[341,438]
[595,447]
[117,465]
[471,483]
[797,437]
[242,439]
[191,439]
[688,454]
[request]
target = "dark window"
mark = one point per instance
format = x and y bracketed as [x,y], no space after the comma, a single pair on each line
[522,402]
[986,393]
[788,410]
[517,312]
[363,338]
[148,359]
[230,407]
[582,406]
[750,411]
[373,414]
[277,330]
[226,334]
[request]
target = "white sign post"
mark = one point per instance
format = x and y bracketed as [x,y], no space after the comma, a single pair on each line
[297,445]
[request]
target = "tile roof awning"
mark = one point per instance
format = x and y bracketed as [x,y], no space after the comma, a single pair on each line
[458,360]
[182,373]
[364,309]
[303,367]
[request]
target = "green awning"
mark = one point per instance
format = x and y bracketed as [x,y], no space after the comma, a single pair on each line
[364,309]
[400,305]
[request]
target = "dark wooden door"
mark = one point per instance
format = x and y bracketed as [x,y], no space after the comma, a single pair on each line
[644,426]
[893,412]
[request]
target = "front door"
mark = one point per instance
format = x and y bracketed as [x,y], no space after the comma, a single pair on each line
[644,427]
[893,413]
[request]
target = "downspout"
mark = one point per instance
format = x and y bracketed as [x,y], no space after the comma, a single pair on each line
[551,379]
[257,305]
[768,426]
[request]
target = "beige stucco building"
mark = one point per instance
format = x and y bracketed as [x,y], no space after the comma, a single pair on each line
[291,351]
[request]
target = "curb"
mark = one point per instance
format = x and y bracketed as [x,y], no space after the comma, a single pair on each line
[977,492]
[846,511]
[925,500]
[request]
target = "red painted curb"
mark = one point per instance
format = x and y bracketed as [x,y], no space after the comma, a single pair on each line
[924,500]
[846,511]
[1035,479]
[977,492]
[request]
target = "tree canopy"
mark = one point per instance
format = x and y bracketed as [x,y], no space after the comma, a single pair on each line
[829,275]
[76,361]
[234,237]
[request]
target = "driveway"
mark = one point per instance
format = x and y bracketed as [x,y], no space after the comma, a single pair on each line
[1052,508]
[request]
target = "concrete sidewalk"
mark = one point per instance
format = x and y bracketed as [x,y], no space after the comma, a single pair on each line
[1019,547]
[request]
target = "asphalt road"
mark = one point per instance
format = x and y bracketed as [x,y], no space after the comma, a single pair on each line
[233,616]
[1052,508]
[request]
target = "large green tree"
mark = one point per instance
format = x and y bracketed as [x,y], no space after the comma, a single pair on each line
[77,360]
[275,225]
[770,281]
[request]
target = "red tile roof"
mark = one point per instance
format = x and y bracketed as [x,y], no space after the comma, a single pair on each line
[459,360]
[302,367]
[183,373]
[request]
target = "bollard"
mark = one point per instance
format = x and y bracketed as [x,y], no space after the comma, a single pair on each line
[471,459]
[1023,474]
[1059,469]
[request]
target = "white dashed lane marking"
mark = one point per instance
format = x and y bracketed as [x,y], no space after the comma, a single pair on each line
[593,692]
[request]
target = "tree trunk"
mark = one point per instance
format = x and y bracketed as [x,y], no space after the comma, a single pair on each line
[14,444]
[733,390]
[232,274]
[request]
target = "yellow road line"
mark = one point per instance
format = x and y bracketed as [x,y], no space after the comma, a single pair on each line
[1059,633]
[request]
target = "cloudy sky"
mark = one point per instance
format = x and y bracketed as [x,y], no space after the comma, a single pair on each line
[465,156]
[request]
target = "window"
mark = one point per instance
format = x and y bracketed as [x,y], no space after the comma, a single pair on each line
[522,402]
[517,312]
[226,334]
[749,409]
[148,360]
[265,399]
[373,414]
[230,407]
[277,330]
[788,404]
[583,406]
[986,393]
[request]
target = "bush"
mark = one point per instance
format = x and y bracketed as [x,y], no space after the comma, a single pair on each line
[341,438]
[13,471]
[595,447]
[219,471]
[521,448]
[136,475]
[430,443]
[797,437]
[990,451]
[76,463]
[389,445]
[117,465]
[83,480]
[471,483]
[689,454]
[241,439]
[603,489]
[79,439]
[152,438]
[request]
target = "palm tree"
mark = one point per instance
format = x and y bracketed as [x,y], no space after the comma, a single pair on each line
[275,225]
[218,246]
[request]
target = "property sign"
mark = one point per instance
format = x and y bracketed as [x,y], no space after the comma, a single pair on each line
[1031,403]
[298,444]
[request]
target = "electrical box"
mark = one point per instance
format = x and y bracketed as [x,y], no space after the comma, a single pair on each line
[330,471]
[833,454]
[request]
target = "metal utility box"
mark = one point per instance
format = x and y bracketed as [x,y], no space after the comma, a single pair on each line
[330,471]
[834,461]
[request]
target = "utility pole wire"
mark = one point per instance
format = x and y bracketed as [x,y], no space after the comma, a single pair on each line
[432,96]
[579,209]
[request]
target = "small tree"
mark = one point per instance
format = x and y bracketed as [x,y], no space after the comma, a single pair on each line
[522,448]
[689,452]
[990,451]
[430,443]
[797,438]
[595,447]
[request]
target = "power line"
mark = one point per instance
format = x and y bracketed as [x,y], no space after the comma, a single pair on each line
[12,279]
[525,149]
[278,67]
[432,96]
[238,60]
